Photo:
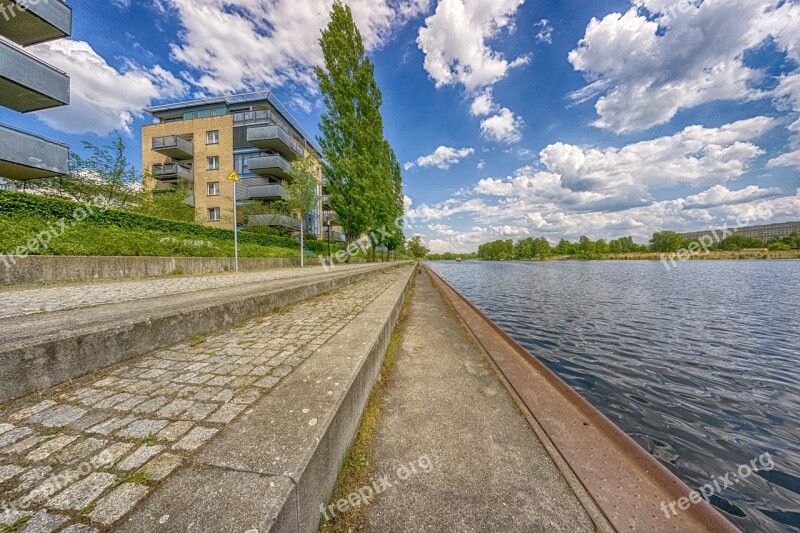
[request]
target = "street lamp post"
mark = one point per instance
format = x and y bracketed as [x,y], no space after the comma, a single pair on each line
[328,224]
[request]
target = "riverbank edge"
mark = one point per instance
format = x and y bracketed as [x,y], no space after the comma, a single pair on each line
[625,482]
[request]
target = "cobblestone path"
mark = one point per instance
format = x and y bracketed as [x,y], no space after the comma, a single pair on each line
[49,299]
[77,459]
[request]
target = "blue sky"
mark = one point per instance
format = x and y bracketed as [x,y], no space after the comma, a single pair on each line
[513,118]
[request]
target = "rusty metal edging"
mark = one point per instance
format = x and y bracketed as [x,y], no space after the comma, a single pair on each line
[624,480]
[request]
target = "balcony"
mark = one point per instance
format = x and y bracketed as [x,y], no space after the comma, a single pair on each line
[335,236]
[24,156]
[273,191]
[35,22]
[174,146]
[28,84]
[271,165]
[172,172]
[330,216]
[277,139]
[273,220]
[326,200]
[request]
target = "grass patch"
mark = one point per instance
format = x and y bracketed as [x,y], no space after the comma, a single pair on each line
[240,325]
[51,432]
[358,467]
[87,510]
[139,478]
[16,525]
[197,341]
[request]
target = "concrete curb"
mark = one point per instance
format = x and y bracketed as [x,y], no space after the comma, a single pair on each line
[273,468]
[37,363]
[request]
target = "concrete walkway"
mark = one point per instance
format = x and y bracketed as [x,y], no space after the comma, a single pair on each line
[473,463]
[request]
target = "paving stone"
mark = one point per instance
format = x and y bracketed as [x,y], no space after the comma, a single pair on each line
[8,517]
[162,466]
[206,393]
[247,397]
[106,382]
[6,427]
[118,503]
[81,450]
[175,408]
[282,371]
[141,429]
[45,450]
[57,416]
[226,413]
[92,418]
[76,497]
[199,411]
[113,400]
[12,436]
[95,397]
[115,452]
[9,471]
[24,445]
[220,381]
[174,431]
[29,479]
[44,522]
[151,406]
[135,460]
[32,410]
[110,426]
[79,528]
[225,395]
[130,403]
[196,438]
[267,383]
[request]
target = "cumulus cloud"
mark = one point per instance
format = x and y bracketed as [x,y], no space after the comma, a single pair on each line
[661,57]
[483,104]
[103,99]
[505,126]
[609,192]
[258,42]
[454,41]
[791,159]
[443,158]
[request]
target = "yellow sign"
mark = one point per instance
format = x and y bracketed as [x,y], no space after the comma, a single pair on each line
[233,176]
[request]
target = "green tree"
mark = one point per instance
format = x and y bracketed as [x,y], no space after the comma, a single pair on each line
[358,163]
[301,193]
[667,242]
[416,249]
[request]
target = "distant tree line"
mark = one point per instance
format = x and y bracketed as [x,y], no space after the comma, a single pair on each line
[586,248]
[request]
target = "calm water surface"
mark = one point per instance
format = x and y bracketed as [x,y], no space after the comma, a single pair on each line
[699,365]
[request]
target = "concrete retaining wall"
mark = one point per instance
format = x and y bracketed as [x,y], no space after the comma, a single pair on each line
[55,268]
[35,364]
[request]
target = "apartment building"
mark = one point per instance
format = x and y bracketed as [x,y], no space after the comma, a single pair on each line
[28,84]
[198,143]
[765,232]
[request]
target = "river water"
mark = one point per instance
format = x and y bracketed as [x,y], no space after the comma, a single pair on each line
[699,364]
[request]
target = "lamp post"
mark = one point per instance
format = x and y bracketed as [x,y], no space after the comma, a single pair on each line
[328,224]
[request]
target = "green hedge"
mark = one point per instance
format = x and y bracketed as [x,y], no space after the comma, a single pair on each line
[29,205]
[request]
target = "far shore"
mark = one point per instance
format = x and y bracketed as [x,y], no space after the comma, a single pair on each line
[710,256]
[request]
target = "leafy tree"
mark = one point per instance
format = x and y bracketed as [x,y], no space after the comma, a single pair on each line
[301,193]
[667,242]
[416,249]
[602,247]
[358,162]
[734,243]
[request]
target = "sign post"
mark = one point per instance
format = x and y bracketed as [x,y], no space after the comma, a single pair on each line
[235,179]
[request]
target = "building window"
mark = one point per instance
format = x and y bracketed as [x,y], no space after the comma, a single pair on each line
[212,162]
[213,188]
[213,214]
[212,137]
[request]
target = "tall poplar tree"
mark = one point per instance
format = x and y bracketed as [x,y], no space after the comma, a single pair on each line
[360,164]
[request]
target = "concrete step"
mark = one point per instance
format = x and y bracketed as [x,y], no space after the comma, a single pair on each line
[39,351]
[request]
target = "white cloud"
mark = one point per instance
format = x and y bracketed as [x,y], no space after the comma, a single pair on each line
[647,68]
[505,126]
[545,33]
[454,41]
[443,158]
[103,99]
[791,159]
[483,104]
[234,45]
[721,195]
[481,164]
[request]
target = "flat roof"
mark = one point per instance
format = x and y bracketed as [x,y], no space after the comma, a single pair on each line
[237,99]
